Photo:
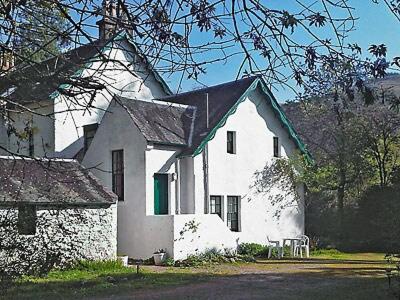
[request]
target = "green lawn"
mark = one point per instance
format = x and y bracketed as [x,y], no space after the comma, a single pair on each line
[327,275]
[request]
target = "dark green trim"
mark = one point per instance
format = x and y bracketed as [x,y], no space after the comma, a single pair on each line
[277,110]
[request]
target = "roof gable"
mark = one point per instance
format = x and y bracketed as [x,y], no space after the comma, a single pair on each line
[223,101]
[56,75]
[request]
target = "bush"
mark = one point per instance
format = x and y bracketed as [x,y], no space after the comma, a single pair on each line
[169,262]
[379,219]
[214,256]
[252,249]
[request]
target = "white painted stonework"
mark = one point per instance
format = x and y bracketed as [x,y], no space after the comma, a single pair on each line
[140,232]
[71,234]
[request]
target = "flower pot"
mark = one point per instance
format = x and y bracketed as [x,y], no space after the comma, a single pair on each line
[124,260]
[159,258]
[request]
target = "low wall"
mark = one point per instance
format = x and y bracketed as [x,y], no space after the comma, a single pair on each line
[62,236]
[196,233]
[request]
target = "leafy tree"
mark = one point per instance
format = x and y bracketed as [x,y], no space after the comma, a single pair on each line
[41,31]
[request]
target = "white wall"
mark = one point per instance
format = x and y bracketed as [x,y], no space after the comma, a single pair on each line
[43,129]
[140,232]
[197,233]
[73,233]
[128,77]
[117,132]
[233,174]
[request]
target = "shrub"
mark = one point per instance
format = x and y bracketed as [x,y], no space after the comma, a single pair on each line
[169,262]
[252,249]
[214,256]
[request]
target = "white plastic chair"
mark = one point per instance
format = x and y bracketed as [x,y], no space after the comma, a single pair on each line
[303,243]
[274,245]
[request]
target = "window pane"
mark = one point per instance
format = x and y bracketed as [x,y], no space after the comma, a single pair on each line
[276,146]
[118,173]
[215,205]
[230,139]
[233,213]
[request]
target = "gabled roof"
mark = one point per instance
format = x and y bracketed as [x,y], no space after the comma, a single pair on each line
[187,125]
[223,101]
[160,123]
[50,182]
[47,79]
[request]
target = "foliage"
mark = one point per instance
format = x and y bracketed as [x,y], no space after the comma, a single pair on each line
[253,249]
[97,265]
[213,256]
[169,262]
[41,32]
[160,251]
[379,210]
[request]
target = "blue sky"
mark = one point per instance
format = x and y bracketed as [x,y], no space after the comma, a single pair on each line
[376,25]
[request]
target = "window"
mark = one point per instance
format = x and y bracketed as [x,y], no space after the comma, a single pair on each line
[277,152]
[31,150]
[118,173]
[27,220]
[231,142]
[233,213]
[216,205]
[89,132]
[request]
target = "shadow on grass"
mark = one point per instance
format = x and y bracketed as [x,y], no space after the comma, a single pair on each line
[97,285]
[321,281]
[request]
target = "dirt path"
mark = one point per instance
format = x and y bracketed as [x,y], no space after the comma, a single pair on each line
[315,280]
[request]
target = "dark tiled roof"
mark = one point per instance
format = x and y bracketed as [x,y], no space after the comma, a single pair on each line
[48,182]
[37,82]
[161,123]
[221,98]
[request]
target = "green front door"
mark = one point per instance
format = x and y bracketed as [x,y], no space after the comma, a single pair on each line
[161,194]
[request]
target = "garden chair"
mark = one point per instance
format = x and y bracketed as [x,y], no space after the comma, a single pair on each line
[274,245]
[302,244]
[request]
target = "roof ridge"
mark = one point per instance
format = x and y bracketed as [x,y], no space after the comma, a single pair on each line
[210,87]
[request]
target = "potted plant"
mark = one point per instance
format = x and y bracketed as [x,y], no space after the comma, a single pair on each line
[159,257]
[123,259]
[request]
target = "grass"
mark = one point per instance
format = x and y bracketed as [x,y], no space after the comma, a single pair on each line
[94,278]
[327,273]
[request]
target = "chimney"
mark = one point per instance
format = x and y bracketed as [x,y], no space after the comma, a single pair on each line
[114,19]
[6,61]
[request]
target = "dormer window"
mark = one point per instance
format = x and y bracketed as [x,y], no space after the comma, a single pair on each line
[89,131]
[231,142]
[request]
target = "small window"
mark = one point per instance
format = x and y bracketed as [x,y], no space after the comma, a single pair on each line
[118,173]
[233,213]
[89,132]
[27,220]
[216,205]
[231,142]
[31,142]
[277,147]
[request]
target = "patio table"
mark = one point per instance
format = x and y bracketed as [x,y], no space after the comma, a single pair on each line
[292,244]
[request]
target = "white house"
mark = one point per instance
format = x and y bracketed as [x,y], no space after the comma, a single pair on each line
[184,168]
[182,165]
